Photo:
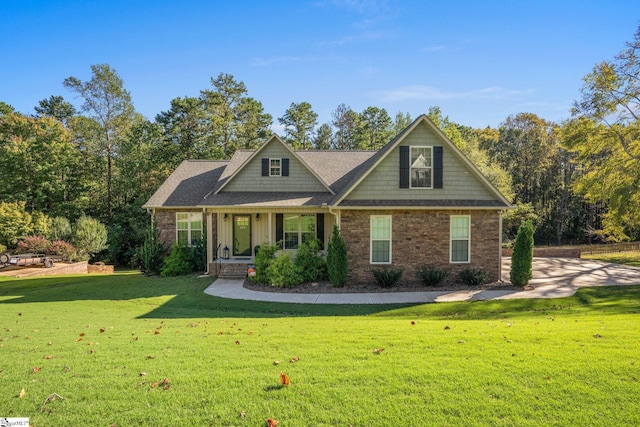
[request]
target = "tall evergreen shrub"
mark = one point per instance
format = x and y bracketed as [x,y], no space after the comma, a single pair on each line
[150,255]
[337,265]
[522,258]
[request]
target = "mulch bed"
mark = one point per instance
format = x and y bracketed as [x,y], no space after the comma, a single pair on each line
[327,288]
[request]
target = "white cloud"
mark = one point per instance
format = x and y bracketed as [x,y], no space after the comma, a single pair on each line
[421,92]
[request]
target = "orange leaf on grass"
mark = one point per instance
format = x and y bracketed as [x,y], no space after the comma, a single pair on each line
[284,379]
[48,357]
[271,422]
[22,393]
[35,369]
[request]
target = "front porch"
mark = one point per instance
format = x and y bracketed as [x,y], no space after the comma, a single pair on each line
[230,268]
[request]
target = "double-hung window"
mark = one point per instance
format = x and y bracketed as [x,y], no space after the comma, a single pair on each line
[298,229]
[421,167]
[275,167]
[188,228]
[460,238]
[380,249]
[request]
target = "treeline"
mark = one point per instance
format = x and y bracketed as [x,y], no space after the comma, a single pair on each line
[576,180]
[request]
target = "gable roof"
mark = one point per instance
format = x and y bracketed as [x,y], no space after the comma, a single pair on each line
[274,139]
[375,160]
[188,185]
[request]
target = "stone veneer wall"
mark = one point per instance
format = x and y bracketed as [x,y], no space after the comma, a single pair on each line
[421,237]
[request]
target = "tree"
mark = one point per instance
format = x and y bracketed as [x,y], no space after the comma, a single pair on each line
[184,126]
[15,222]
[89,236]
[253,123]
[56,107]
[6,109]
[375,128]
[522,258]
[109,104]
[299,121]
[345,121]
[607,117]
[324,134]
[401,121]
[337,264]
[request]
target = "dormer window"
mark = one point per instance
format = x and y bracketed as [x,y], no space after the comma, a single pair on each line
[421,167]
[275,167]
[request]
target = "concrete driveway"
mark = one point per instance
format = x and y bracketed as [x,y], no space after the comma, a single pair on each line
[561,277]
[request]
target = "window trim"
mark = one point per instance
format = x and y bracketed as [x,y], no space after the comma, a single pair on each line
[300,232]
[452,239]
[279,167]
[371,240]
[190,229]
[430,168]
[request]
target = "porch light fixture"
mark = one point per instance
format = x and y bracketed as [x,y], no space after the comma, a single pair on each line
[257,217]
[225,252]
[224,218]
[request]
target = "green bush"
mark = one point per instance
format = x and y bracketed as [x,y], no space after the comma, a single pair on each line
[264,257]
[60,229]
[3,248]
[430,275]
[33,244]
[474,276]
[199,255]
[179,262]
[283,273]
[15,222]
[150,256]
[337,264]
[89,236]
[310,263]
[387,278]
[522,258]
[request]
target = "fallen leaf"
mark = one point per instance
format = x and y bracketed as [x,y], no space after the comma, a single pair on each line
[276,362]
[243,414]
[237,342]
[142,374]
[48,357]
[49,343]
[151,357]
[271,422]
[294,359]
[166,386]
[156,384]
[82,334]
[22,393]
[284,379]
[446,327]
[461,342]
[156,332]
[19,314]
[35,369]
[102,329]
[597,336]
[80,339]
[413,323]
[378,350]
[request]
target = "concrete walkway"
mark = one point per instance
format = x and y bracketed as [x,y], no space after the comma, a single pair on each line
[552,278]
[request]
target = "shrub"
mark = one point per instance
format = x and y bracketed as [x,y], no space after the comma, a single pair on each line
[89,236]
[15,222]
[474,276]
[64,249]
[430,275]
[283,273]
[150,256]
[522,258]
[310,263]
[3,248]
[264,257]
[60,229]
[337,265]
[178,263]
[387,278]
[33,244]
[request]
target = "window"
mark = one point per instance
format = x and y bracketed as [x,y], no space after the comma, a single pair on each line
[188,227]
[298,228]
[420,167]
[460,238]
[275,167]
[380,239]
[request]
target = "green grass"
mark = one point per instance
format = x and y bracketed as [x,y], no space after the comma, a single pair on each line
[629,258]
[570,361]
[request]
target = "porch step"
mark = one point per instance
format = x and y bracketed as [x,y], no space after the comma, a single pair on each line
[232,271]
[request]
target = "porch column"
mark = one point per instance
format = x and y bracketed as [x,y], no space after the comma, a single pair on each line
[270,228]
[209,238]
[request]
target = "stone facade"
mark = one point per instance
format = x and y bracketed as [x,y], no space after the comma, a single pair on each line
[166,222]
[421,237]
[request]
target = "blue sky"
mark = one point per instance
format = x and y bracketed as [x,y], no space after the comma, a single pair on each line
[479,61]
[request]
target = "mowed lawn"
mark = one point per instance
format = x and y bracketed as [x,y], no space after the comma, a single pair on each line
[126,350]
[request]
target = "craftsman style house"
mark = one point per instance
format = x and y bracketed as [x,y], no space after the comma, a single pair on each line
[416,201]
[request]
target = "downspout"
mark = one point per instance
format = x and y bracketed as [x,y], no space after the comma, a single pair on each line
[336,215]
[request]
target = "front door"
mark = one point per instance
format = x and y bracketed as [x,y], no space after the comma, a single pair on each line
[242,235]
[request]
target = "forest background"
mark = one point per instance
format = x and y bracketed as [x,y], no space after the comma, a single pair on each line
[577,180]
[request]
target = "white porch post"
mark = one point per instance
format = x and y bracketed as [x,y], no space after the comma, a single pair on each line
[209,239]
[269,225]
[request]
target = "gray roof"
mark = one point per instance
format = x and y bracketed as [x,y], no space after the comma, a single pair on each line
[266,199]
[188,184]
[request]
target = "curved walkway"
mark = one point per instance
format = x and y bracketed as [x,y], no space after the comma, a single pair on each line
[552,278]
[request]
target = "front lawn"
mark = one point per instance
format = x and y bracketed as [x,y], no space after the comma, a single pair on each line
[125,350]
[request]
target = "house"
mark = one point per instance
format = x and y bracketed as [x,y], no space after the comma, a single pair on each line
[416,201]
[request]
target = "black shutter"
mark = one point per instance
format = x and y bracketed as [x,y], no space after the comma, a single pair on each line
[404,166]
[265,167]
[320,229]
[437,167]
[280,230]
[285,167]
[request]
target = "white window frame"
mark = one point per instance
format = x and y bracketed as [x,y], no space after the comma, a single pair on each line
[458,239]
[372,218]
[191,217]
[273,169]
[301,233]
[430,168]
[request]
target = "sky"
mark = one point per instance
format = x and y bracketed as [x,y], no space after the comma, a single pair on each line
[479,61]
